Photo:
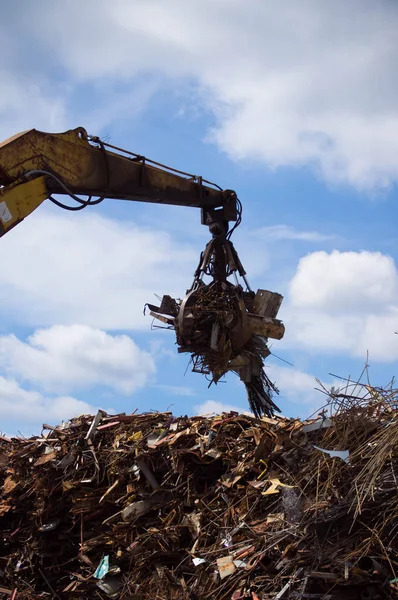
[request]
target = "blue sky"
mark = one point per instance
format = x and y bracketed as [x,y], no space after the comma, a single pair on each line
[292,106]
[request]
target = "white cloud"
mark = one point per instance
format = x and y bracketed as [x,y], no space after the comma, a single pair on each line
[285,232]
[344,302]
[75,357]
[295,386]
[288,83]
[89,269]
[29,104]
[344,281]
[25,411]
[211,406]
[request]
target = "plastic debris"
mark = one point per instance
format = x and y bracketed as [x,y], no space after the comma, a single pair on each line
[102,568]
[198,561]
[50,526]
[110,586]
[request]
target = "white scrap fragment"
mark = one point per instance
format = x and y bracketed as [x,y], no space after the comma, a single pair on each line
[343,454]
[227,541]
[240,564]
[198,561]
[283,590]
[152,439]
[135,470]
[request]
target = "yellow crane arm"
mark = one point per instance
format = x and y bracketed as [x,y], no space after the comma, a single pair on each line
[223,327]
[35,165]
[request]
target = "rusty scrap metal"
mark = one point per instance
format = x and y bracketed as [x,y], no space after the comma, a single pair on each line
[225,327]
[218,507]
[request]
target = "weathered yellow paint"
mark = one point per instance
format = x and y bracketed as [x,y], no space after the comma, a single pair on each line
[68,154]
[73,163]
[20,200]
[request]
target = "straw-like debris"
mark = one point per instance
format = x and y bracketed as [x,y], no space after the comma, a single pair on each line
[152,506]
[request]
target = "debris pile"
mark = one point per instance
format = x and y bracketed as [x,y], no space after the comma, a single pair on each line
[224,329]
[224,507]
[223,326]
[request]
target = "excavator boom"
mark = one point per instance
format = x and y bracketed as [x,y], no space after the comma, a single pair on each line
[223,326]
[35,165]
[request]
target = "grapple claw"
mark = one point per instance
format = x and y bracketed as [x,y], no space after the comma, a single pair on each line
[224,327]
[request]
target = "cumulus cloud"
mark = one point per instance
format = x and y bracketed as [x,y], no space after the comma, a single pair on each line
[344,281]
[346,302]
[24,411]
[296,387]
[289,83]
[212,407]
[88,269]
[25,106]
[75,357]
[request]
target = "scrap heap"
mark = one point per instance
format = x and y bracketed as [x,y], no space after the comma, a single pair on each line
[151,506]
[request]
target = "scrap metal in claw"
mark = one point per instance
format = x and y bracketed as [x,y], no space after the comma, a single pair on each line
[224,326]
